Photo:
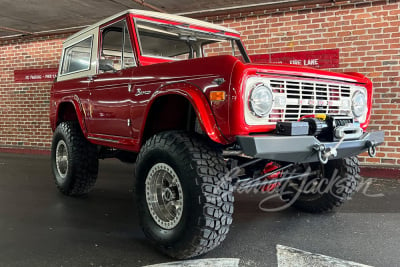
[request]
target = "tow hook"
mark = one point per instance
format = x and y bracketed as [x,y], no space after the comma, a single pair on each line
[325,153]
[371,148]
[321,149]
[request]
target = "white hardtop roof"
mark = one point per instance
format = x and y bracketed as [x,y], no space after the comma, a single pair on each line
[157,15]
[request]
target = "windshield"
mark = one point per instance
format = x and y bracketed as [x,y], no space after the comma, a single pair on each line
[177,42]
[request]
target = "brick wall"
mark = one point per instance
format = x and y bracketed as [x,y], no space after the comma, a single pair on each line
[24,121]
[366,32]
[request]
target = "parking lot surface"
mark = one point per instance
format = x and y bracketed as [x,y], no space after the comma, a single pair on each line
[41,227]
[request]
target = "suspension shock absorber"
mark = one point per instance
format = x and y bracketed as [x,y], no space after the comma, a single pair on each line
[271,166]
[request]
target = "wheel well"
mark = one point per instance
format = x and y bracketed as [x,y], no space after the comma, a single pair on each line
[170,112]
[66,112]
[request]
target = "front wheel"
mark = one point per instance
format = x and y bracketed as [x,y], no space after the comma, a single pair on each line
[328,186]
[185,204]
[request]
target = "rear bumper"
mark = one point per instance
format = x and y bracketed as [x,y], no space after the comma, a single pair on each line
[301,149]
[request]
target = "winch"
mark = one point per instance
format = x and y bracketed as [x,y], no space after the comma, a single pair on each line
[324,127]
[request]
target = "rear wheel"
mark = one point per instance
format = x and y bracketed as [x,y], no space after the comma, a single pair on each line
[185,204]
[328,186]
[74,160]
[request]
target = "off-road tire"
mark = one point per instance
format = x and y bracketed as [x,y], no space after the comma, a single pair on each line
[82,160]
[207,196]
[345,173]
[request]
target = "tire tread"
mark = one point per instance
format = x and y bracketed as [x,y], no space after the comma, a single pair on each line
[83,156]
[349,171]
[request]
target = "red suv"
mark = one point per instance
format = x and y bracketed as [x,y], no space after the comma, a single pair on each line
[181,98]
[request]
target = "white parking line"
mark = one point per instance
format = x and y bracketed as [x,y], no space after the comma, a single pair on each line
[288,257]
[221,262]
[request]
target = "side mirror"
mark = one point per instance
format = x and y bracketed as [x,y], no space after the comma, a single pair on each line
[106,65]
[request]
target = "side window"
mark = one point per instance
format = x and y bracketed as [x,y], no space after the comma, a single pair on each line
[116,51]
[128,58]
[77,56]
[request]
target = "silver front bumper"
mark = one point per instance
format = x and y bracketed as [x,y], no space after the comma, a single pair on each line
[301,149]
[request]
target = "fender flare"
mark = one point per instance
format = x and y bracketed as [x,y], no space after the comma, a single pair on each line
[79,111]
[199,103]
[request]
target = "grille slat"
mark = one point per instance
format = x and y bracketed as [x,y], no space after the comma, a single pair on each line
[308,97]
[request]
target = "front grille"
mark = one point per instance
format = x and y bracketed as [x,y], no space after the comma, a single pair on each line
[308,97]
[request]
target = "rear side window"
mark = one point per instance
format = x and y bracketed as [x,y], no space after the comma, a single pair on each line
[77,56]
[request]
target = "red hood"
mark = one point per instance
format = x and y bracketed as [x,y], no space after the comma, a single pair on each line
[302,71]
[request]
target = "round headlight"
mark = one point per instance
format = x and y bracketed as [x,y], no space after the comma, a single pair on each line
[261,100]
[359,104]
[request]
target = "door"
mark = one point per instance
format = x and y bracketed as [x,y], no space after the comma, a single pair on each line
[109,108]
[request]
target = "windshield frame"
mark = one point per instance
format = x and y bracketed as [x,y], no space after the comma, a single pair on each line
[186,27]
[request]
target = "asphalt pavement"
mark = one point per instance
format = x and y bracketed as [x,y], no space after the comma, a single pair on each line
[41,227]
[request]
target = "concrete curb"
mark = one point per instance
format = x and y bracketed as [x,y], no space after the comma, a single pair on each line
[28,151]
[380,172]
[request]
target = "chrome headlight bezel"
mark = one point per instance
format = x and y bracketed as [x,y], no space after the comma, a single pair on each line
[251,116]
[359,104]
[260,100]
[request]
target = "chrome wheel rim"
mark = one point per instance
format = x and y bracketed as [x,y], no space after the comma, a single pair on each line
[164,196]
[62,160]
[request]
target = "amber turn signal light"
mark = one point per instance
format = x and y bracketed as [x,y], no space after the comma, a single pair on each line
[217,96]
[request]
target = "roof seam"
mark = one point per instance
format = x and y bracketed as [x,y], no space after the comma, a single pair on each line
[158,15]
